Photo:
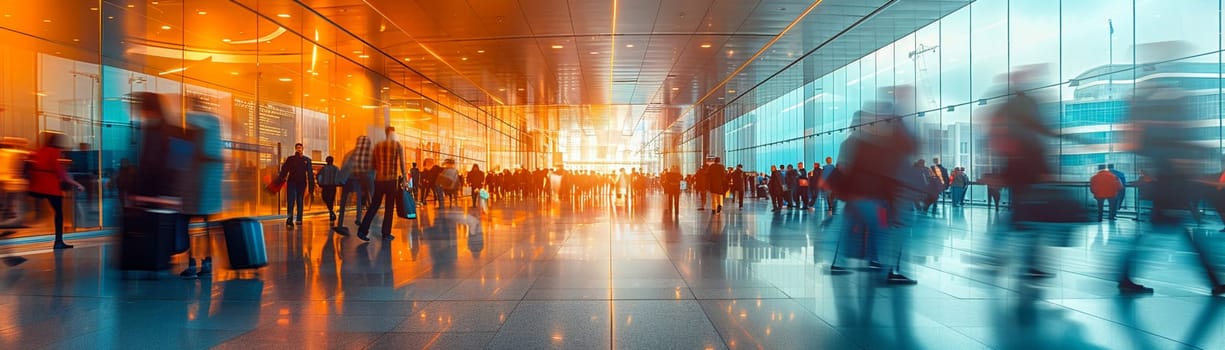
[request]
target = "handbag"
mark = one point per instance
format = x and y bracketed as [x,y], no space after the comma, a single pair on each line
[275,186]
[406,207]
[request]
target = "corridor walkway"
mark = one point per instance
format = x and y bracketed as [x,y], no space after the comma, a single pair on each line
[586,276]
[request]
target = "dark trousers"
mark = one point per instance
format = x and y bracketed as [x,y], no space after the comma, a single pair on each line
[359,185]
[831,202]
[993,195]
[294,195]
[329,197]
[673,202]
[385,191]
[801,197]
[776,198]
[1112,207]
[57,205]
[739,196]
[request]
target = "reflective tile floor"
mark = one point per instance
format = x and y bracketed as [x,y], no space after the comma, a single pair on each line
[588,275]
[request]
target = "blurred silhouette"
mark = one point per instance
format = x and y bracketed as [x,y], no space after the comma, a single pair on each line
[1105,188]
[389,172]
[355,175]
[875,155]
[46,174]
[1161,117]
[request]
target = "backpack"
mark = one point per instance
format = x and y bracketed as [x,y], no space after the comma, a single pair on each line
[449,179]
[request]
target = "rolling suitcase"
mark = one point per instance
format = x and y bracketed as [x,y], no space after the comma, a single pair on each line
[148,239]
[244,243]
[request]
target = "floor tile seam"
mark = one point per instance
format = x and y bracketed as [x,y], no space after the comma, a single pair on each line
[1145,331]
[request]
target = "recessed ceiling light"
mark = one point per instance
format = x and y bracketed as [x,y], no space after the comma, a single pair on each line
[286,79]
[46,21]
[705,46]
[594,52]
[233,73]
[463,58]
[557,46]
[283,15]
[131,6]
[406,59]
[480,51]
[165,27]
[201,13]
[675,88]
[226,40]
[629,45]
[731,91]
[93,8]
[363,56]
[155,2]
[501,89]
[521,89]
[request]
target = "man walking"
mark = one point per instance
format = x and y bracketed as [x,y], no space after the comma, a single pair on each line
[388,161]
[299,179]
[738,185]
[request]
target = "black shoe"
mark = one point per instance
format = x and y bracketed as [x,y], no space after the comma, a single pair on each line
[1036,273]
[897,279]
[333,216]
[838,270]
[206,267]
[872,265]
[299,223]
[1127,287]
[190,272]
[289,222]
[11,261]
[363,236]
[388,237]
[341,230]
[62,245]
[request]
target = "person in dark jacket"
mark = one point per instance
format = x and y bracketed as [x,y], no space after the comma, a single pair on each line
[299,179]
[699,185]
[738,185]
[716,184]
[775,186]
[328,180]
[672,188]
[791,182]
[414,174]
[476,180]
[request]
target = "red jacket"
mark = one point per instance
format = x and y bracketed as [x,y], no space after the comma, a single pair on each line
[1105,185]
[48,172]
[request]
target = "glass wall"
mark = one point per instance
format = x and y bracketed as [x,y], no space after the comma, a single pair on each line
[274,72]
[1086,61]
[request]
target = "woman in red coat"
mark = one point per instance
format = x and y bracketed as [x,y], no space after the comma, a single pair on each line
[45,177]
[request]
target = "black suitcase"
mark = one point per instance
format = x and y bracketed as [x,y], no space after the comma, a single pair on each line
[244,243]
[148,239]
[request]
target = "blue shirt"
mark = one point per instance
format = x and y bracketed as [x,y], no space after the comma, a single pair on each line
[1119,174]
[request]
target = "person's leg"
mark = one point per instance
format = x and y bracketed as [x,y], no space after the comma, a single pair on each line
[365,188]
[1115,203]
[438,197]
[301,204]
[364,229]
[1100,201]
[290,194]
[388,191]
[344,201]
[329,199]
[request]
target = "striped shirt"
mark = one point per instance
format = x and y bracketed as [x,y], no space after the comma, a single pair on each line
[388,161]
[362,155]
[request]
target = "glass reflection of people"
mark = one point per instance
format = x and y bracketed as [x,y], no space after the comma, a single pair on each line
[45,177]
[388,161]
[299,179]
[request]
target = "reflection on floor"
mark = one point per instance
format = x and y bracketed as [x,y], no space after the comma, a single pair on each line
[556,275]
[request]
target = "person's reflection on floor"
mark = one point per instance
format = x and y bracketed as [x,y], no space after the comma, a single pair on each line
[440,236]
[476,235]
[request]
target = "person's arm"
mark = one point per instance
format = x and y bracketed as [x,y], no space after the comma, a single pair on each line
[63,174]
[310,175]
